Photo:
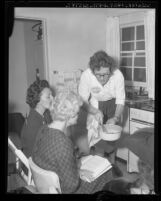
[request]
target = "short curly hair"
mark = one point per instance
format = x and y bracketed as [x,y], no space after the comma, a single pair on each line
[34,91]
[65,105]
[101,59]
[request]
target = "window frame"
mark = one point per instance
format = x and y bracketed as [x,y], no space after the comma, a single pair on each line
[134,24]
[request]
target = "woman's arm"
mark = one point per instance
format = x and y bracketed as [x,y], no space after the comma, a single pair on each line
[118,112]
[84,92]
[120,98]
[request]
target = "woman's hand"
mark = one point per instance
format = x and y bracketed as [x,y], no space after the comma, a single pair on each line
[113,120]
[99,116]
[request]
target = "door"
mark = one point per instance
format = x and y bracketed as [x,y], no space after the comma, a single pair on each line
[123,152]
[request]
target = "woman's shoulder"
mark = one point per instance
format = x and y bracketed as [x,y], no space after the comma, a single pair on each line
[117,74]
[34,116]
[86,72]
[59,138]
[55,133]
[50,135]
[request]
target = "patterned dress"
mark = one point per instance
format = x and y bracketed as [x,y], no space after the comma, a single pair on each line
[54,151]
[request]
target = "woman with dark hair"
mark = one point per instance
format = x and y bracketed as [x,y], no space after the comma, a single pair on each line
[39,98]
[103,91]
[102,87]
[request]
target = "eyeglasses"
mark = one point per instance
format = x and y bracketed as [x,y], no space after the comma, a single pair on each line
[102,75]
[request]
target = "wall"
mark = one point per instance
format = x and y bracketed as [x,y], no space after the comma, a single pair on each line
[73,35]
[72,38]
[34,52]
[132,17]
[25,55]
[17,69]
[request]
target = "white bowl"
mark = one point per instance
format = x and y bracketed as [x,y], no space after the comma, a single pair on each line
[110,132]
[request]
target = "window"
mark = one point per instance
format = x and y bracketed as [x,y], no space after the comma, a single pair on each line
[133,54]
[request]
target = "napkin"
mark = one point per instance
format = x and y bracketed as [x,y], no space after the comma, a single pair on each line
[93,128]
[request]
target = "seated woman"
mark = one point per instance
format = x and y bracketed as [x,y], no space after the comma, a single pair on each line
[39,98]
[54,150]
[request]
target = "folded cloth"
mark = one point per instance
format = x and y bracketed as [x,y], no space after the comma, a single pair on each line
[140,143]
[93,128]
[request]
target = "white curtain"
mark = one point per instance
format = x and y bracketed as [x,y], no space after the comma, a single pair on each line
[113,38]
[149,21]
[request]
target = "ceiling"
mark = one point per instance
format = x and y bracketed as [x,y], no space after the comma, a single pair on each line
[107,11]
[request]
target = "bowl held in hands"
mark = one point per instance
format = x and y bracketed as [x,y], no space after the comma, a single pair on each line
[110,132]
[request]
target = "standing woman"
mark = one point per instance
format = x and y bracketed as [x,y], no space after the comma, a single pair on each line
[103,91]
[39,98]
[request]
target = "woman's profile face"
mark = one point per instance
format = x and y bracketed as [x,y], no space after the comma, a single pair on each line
[102,75]
[46,98]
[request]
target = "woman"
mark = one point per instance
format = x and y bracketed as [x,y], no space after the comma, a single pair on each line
[54,150]
[39,98]
[100,84]
[103,92]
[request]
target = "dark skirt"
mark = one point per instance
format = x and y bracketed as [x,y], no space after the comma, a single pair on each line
[108,109]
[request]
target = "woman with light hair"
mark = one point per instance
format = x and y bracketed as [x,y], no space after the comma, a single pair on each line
[54,150]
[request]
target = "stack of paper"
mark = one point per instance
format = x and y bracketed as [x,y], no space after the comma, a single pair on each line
[93,166]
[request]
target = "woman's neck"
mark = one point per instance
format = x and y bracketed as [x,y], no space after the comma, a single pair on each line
[40,109]
[60,125]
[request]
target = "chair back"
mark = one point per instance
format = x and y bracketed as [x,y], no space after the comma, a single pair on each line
[21,158]
[15,122]
[45,181]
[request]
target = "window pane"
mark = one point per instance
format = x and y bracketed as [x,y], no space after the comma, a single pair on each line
[127,33]
[140,75]
[126,54]
[127,72]
[139,61]
[140,32]
[127,46]
[140,53]
[140,45]
[126,61]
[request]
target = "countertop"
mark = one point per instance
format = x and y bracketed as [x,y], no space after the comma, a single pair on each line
[141,103]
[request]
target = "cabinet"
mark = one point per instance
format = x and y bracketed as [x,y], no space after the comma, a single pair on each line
[138,119]
[123,152]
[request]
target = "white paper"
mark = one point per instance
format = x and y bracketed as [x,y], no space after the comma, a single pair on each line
[93,166]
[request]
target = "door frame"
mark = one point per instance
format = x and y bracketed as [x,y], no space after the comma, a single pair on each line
[45,52]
